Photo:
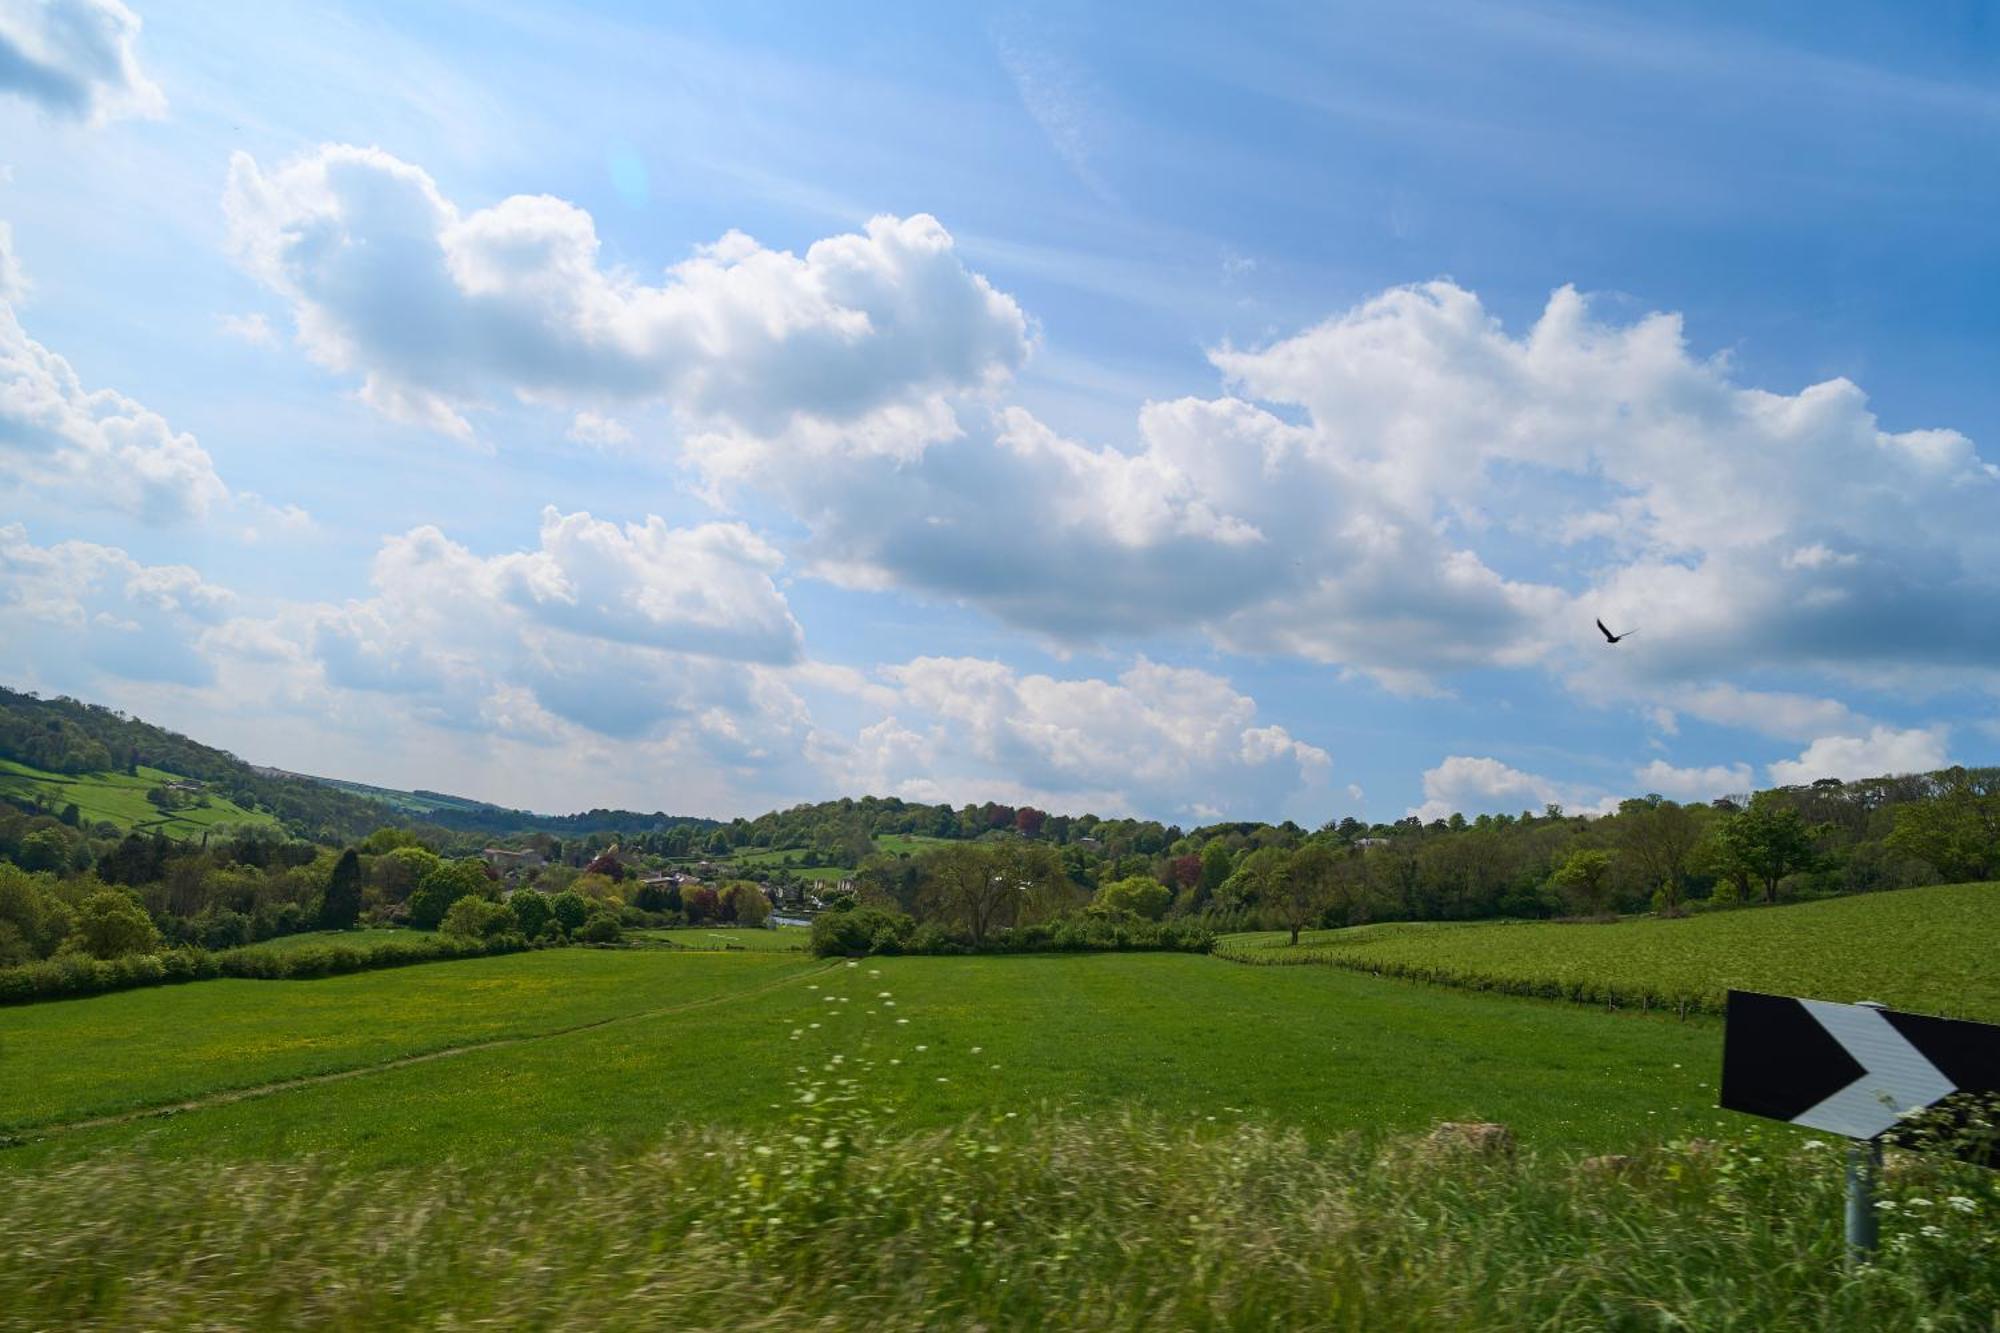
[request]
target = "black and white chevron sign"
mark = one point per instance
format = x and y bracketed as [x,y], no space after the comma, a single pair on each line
[1849,1069]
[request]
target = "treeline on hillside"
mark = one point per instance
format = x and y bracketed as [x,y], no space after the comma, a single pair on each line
[1652,854]
[1004,895]
[63,735]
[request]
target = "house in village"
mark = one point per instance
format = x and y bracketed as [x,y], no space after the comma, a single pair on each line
[509,862]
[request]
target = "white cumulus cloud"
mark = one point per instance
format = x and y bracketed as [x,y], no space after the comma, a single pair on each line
[438,308]
[92,446]
[82,606]
[1698,783]
[76,58]
[1883,750]
[1159,740]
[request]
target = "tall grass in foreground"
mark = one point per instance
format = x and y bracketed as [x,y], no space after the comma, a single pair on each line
[1030,1222]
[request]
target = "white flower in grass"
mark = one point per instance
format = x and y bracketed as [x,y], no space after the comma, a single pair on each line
[977,1049]
[923,1048]
[903,1021]
[1962,1203]
[858,965]
[1933,1232]
[1813,1145]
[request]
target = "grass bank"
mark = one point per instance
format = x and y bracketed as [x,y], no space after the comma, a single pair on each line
[1121,1222]
[1929,949]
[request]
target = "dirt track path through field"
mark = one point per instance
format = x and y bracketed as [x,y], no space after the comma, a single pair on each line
[246,1093]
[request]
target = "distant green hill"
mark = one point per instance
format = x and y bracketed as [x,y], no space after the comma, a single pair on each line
[50,740]
[120,798]
[465,815]
[59,751]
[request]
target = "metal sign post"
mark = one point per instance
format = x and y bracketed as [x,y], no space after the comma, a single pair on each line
[1856,1070]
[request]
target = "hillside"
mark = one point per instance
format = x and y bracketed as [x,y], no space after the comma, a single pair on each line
[465,815]
[65,738]
[120,799]
[1928,949]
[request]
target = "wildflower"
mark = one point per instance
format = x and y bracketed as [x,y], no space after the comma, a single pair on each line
[1813,1144]
[882,995]
[903,1021]
[943,1079]
[993,1066]
[923,1048]
[858,965]
[977,1049]
[1933,1232]
[895,1061]
[1962,1203]
[1917,1203]
[812,1025]
[874,971]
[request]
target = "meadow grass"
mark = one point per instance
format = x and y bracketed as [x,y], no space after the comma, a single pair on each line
[359,939]
[1037,1221]
[908,844]
[1191,1038]
[1931,950]
[120,799]
[65,1060]
[783,939]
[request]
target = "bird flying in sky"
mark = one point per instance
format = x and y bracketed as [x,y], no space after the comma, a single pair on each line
[1609,637]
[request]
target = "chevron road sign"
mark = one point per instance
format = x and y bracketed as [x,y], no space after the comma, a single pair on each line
[1849,1069]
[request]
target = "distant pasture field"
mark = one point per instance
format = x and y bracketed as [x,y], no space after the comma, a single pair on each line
[1931,950]
[784,939]
[359,939]
[120,799]
[72,1059]
[718,1039]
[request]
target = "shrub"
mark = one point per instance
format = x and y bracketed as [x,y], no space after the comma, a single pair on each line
[860,930]
[112,924]
[531,911]
[601,928]
[569,910]
[477,919]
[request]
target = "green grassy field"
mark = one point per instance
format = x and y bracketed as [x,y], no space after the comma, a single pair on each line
[356,938]
[70,1060]
[120,798]
[784,939]
[1195,1039]
[1931,950]
[912,844]
[776,858]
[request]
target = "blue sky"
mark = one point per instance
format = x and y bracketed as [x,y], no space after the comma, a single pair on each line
[1245,415]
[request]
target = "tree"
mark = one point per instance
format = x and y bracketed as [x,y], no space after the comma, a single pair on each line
[1140,895]
[110,923]
[1657,837]
[399,870]
[341,908]
[1957,832]
[570,910]
[746,903]
[1767,842]
[962,886]
[1304,888]
[444,885]
[701,903]
[44,849]
[531,911]
[476,919]
[1585,875]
